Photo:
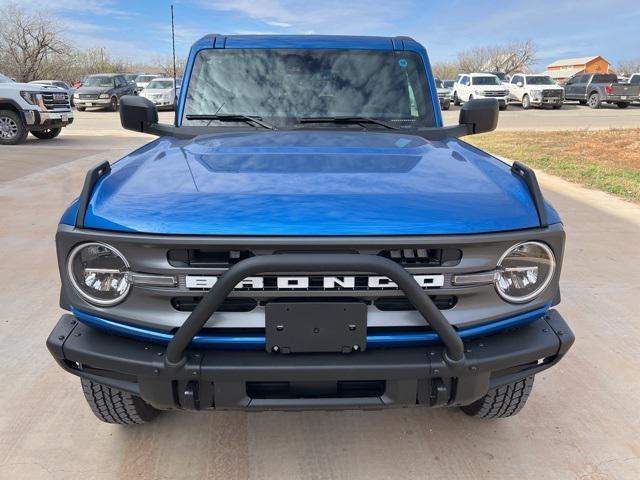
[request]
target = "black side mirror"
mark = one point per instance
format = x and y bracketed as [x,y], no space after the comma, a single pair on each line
[480,115]
[137,113]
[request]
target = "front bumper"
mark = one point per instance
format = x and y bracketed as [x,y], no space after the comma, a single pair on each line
[93,102]
[259,380]
[40,120]
[547,100]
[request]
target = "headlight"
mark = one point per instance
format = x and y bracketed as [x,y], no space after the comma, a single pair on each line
[76,95]
[104,95]
[524,271]
[30,97]
[99,273]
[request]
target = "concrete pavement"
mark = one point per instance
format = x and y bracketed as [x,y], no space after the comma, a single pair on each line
[581,421]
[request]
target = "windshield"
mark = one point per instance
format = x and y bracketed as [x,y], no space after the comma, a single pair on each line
[144,78]
[488,80]
[448,83]
[439,83]
[283,85]
[540,80]
[130,77]
[502,76]
[98,81]
[160,84]
[4,79]
[635,80]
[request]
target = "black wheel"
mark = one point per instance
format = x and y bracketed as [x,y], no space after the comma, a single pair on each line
[81,109]
[47,134]
[623,104]
[12,130]
[113,106]
[582,102]
[446,105]
[502,401]
[470,97]
[504,107]
[115,406]
[556,107]
[456,100]
[526,103]
[594,100]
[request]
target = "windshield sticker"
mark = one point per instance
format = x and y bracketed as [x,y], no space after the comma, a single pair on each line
[403,62]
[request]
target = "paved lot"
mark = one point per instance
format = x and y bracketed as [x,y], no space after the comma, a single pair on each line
[581,421]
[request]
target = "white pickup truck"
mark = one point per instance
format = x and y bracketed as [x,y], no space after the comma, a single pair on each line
[538,90]
[480,85]
[42,110]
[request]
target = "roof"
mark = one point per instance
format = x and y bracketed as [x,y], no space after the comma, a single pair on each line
[573,61]
[303,41]
[563,72]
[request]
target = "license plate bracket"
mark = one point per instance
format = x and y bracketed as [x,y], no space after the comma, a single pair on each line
[307,327]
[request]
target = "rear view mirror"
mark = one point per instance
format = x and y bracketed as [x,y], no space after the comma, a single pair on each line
[137,113]
[480,115]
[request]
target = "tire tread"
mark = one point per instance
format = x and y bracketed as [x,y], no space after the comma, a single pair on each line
[502,402]
[114,406]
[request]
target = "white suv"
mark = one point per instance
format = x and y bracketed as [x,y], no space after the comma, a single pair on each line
[480,85]
[26,107]
[539,90]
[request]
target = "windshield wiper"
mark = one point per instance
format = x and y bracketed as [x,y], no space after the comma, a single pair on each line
[346,120]
[232,117]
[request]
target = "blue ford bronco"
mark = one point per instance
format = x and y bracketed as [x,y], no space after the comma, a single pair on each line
[308,235]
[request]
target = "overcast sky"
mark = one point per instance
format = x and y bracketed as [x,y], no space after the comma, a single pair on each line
[141,28]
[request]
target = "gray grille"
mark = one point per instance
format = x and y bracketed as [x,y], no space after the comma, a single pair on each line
[88,96]
[552,93]
[494,94]
[54,101]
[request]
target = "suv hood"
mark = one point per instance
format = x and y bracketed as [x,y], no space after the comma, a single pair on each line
[90,90]
[29,87]
[309,183]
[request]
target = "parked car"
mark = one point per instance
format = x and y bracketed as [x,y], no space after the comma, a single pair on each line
[504,77]
[535,90]
[103,91]
[594,89]
[131,77]
[635,80]
[444,96]
[480,85]
[356,256]
[448,84]
[58,83]
[161,92]
[40,109]
[143,80]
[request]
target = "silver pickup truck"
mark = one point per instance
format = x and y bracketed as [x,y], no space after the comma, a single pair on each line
[594,89]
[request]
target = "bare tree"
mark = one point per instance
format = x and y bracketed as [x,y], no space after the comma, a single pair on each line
[445,70]
[164,66]
[629,67]
[30,43]
[511,58]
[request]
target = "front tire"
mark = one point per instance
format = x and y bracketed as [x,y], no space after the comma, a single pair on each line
[47,134]
[582,102]
[81,109]
[12,130]
[446,105]
[502,402]
[456,100]
[623,104]
[114,406]
[526,103]
[594,100]
[113,106]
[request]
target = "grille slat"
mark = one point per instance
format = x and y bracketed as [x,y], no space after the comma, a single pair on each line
[53,101]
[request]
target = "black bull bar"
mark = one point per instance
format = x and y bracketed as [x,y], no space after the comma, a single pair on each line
[314,262]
